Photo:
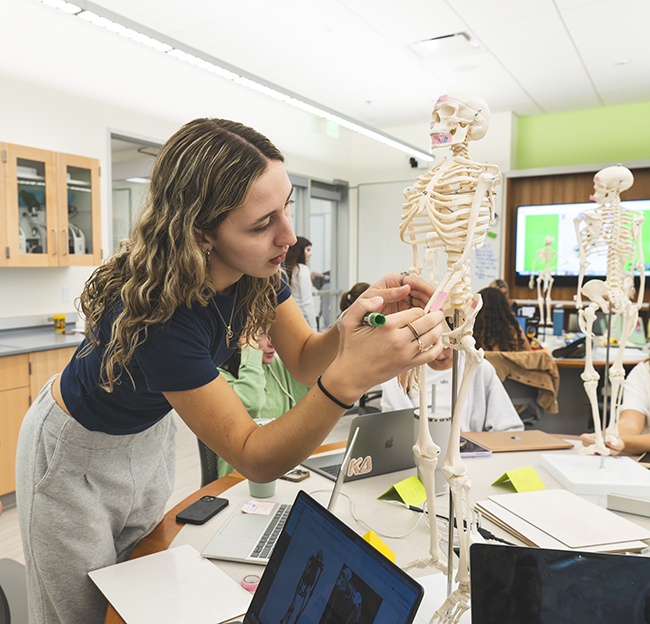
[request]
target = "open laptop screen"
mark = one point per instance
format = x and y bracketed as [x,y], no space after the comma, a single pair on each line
[321,571]
[541,586]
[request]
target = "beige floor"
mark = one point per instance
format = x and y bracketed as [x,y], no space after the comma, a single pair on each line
[188,480]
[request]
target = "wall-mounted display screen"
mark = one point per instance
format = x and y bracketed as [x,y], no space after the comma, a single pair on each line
[536,223]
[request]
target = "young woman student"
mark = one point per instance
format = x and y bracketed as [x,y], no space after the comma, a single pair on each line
[96,451]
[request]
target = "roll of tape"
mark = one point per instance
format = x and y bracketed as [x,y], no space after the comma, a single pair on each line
[250,582]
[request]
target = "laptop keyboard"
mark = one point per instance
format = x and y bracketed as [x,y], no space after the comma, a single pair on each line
[333,470]
[270,537]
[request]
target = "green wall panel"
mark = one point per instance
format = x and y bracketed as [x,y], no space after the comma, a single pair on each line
[609,134]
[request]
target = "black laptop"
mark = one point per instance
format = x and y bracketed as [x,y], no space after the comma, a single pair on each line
[523,585]
[322,572]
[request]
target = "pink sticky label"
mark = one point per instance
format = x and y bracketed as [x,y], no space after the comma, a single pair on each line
[442,98]
[439,301]
[474,303]
[440,139]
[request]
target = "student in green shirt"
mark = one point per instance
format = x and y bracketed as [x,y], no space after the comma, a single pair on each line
[262,383]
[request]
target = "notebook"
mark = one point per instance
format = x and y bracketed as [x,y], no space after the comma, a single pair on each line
[524,584]
[251,537]
[530,440]
[385,444]
[322,571]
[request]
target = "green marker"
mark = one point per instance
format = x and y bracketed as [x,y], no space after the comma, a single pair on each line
[374,319]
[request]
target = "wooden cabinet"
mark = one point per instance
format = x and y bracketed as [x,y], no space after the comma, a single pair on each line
[50,204]
[21,379]
[14,402]
[44,364]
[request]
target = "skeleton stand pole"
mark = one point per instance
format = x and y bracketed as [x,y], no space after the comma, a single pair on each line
[454,394]
[606,401]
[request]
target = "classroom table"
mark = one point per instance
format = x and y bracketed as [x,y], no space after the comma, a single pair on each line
[382,517]
[631,356]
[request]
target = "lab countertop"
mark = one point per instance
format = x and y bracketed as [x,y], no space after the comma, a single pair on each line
[30,339]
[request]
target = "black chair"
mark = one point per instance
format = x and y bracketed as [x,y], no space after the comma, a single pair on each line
[524,398]
[13,592]
[209,464]
[5,616]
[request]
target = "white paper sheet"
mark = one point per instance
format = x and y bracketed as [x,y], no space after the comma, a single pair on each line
[175,586]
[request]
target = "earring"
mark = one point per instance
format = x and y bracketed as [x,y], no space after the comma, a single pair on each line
[207,254]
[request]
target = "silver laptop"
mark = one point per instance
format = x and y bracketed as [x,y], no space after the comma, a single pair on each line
[250,538]
[384,444]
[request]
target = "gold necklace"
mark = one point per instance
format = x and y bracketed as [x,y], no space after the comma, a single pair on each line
[229,332]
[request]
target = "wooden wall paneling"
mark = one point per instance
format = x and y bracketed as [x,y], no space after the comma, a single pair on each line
[555,189]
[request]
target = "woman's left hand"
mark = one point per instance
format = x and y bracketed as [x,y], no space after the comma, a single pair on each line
[400,292]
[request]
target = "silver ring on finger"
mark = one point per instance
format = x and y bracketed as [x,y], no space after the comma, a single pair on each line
[404,274]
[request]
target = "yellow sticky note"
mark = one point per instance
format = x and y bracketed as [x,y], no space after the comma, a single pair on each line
[376,542]
[410,491]
[522,479]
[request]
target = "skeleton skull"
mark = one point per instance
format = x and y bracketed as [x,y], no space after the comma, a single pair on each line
[458,117]
[610,181]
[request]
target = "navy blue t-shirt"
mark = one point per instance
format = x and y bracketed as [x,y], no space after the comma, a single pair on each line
[181,354]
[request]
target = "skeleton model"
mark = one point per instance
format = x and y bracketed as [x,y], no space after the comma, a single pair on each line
[450,208]
[545,256]
[612,229]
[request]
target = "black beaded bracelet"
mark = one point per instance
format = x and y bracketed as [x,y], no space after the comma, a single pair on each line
[329,396]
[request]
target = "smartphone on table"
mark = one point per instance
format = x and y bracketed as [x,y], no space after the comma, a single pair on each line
[202,510]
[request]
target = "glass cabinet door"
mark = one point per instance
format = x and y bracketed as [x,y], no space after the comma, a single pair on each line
[78,210]
[31,219]
[32,206]
[80,217]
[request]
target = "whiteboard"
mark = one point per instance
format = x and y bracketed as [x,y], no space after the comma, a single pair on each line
[380,249]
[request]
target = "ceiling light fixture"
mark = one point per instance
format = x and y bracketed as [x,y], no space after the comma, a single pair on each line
[118,24]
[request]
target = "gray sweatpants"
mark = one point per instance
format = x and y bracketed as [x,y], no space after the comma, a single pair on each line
[84,501]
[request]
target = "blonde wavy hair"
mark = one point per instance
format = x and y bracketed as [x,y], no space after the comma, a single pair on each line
[204,171]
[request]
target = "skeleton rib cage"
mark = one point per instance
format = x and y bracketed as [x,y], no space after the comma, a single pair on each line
[611,232]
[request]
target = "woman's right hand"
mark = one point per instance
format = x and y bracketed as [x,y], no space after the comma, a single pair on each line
[368,356]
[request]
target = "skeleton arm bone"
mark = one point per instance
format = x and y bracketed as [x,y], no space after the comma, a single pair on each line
[584,263]
[485,184]
[637,224]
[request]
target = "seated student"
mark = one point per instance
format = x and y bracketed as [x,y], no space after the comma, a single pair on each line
[488,406]
[495,326]
[502,285]
[262,383]
[634,421]
[349,297]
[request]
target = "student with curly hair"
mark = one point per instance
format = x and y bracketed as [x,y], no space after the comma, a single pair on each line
[95,461]
[495,326]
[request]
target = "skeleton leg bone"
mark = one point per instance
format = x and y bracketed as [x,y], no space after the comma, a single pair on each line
[427,452]
[549,285]
[617,372]
[590,377]
[455,472]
